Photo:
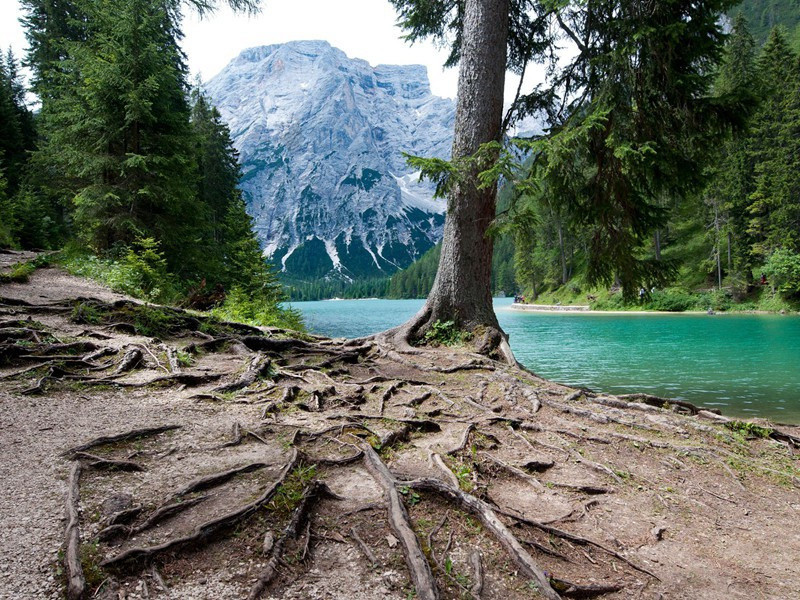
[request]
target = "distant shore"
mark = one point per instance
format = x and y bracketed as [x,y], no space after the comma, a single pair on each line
[586,309]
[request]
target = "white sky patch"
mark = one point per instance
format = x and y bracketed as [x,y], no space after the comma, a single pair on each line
[211,43]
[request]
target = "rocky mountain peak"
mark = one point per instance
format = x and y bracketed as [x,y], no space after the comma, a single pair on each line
[321,138]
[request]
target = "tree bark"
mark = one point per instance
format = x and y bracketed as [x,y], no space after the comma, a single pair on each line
[462,289]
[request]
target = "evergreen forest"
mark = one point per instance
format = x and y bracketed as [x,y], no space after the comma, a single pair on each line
[125,167]
[732,244]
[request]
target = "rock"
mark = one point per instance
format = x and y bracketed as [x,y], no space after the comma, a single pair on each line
[116,503]
[321,139]
[269,542]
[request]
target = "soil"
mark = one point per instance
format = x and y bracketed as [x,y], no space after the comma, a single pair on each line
[641,497]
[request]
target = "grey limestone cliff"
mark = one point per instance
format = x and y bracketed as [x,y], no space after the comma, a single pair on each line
[321,139]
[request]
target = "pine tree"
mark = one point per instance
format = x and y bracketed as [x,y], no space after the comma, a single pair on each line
[732,172]
[118,129]
[217,175]
[775,202]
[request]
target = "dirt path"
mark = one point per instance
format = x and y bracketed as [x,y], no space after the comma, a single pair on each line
[547,489]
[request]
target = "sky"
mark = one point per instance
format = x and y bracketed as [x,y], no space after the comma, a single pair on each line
[363,29]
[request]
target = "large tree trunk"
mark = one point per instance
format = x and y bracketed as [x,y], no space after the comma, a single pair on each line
[462,289]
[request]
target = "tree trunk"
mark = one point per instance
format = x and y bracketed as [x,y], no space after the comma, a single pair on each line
[657,244]
[562,253]
[462,289]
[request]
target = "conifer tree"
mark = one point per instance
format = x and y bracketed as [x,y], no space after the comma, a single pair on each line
[775,202]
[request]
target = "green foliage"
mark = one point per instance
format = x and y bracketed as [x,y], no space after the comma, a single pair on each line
[446,333]
[762,16]
[749,429]
[412,497]
[19,273]
[783,271]
[289,494]
[242,307]
[141,271]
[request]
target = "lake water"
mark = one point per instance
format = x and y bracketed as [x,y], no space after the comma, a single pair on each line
[746,365]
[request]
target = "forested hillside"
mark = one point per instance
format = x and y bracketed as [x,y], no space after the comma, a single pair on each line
[125,164]
[763,15]
[715,245]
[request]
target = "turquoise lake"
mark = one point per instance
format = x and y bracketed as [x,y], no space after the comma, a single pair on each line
[745,365]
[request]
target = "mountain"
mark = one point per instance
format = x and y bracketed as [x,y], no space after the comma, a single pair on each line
[321,139]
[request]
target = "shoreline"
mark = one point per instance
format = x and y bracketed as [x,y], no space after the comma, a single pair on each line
[576,309]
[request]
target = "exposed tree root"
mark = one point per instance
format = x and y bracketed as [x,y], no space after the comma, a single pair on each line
[312,493]
[99,462]
[333,402]
[258,366]
[364,548]
[477,574]
[76,583]
[206,531]
[490,520]
[417,564]
[121,437]
[215,479]
[573,590]
[576,539]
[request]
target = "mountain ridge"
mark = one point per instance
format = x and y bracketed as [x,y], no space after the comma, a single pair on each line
[321,138]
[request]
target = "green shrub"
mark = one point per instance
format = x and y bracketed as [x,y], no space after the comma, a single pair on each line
[670,301]
[19,273]
[445,333]
[141,271]
[245,308]
[749,429]
[783,271]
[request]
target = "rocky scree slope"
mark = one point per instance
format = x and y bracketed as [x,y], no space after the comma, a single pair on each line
[321,139]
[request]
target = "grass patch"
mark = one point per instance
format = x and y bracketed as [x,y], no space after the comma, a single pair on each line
[749,430]
[289,494]
[91,557]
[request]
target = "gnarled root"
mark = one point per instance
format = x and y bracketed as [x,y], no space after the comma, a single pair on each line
[418,566]
[312,493]
[490,520]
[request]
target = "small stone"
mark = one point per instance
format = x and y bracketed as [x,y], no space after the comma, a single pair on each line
[269,542]
[116,503]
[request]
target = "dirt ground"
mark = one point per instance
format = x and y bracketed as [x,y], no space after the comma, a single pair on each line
[286,452]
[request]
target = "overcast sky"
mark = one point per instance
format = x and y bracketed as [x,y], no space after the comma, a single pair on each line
[361,28]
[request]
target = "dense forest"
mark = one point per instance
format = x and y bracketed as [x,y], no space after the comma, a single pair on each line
[718,245]
[124,165]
